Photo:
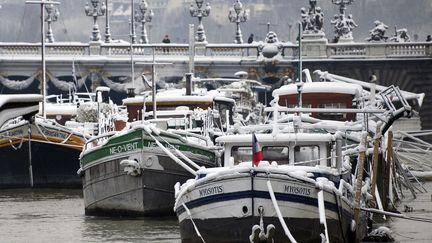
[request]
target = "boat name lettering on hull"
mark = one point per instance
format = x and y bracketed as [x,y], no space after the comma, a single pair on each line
[297,190]
[12,134]
[211,191]
[51,133]
[124,148]
[154,145]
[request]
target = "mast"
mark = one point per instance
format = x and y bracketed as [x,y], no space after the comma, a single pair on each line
[300,52]
[43,84]
[153,85]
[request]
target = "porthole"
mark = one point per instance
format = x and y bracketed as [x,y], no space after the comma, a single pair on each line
[245,209]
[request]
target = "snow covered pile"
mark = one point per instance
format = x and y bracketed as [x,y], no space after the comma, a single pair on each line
[88,112]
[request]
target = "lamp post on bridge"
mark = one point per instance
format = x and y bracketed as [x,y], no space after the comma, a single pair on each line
[95,12]
[200,13]
[107,25]
[52,16]
[344,25]
[237,15]
[132,23]
[342,5]
[144,18]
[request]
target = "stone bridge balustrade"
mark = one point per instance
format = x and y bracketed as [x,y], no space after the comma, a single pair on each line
[239,51]
[34,49]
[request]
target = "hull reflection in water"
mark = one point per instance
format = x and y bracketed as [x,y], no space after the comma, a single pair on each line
[45,215]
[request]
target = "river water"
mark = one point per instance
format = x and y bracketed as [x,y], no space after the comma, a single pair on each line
[58,216]
[46,215]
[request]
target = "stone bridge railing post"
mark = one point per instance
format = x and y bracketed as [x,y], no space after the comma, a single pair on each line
[95,48]
[429,49]
[376,50]
[314,48]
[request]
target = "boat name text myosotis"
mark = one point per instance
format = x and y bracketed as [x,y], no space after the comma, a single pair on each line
[297,190]
[211,191]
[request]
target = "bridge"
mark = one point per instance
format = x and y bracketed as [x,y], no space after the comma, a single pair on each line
[408,65]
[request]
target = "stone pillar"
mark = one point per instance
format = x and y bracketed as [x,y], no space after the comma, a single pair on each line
[200,48]
[314,45]
[95,48]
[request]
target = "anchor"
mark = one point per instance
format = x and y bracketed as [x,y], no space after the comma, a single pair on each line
[258,234]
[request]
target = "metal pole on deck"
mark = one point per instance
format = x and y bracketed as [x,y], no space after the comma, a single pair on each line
[153,85]
[132,58]
[300,52]
[30,155]
[388,190]
[43,84]
[375,155]
[359,179]
[191,49]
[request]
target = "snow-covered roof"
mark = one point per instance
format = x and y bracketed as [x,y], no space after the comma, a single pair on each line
[61,109]
[139,99]
[179,95]
[367,86]
[320,87]
[15,107]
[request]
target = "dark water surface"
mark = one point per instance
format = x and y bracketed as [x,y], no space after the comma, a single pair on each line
[48,215]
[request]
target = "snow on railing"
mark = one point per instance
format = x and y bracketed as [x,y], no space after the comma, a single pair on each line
[335,50]
[288,51]
[55,49]
[229,49]
[408,49]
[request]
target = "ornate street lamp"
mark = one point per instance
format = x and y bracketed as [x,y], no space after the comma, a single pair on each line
[107,27]
[344,25]
[342,5]
[52,16]
[132,23]
[237,15]
[95,12]
[200,13]
[144,18]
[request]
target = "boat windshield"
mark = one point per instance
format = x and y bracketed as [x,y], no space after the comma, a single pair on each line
[280,154]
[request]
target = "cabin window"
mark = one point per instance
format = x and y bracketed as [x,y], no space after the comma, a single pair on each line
[177,123]
[278,154]
[241,154]
[270,153]
[333,115]
[306,155]
[222,107]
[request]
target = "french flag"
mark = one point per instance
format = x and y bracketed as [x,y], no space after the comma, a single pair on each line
[256,150]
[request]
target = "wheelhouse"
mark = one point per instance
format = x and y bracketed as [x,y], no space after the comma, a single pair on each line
[285,149]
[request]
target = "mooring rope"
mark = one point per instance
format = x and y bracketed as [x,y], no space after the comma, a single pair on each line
[46,138]
[167,152]
[195,227]
[182,155]
[321,212]
[398,215]
[10,141]
[48,142]
[278,212]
